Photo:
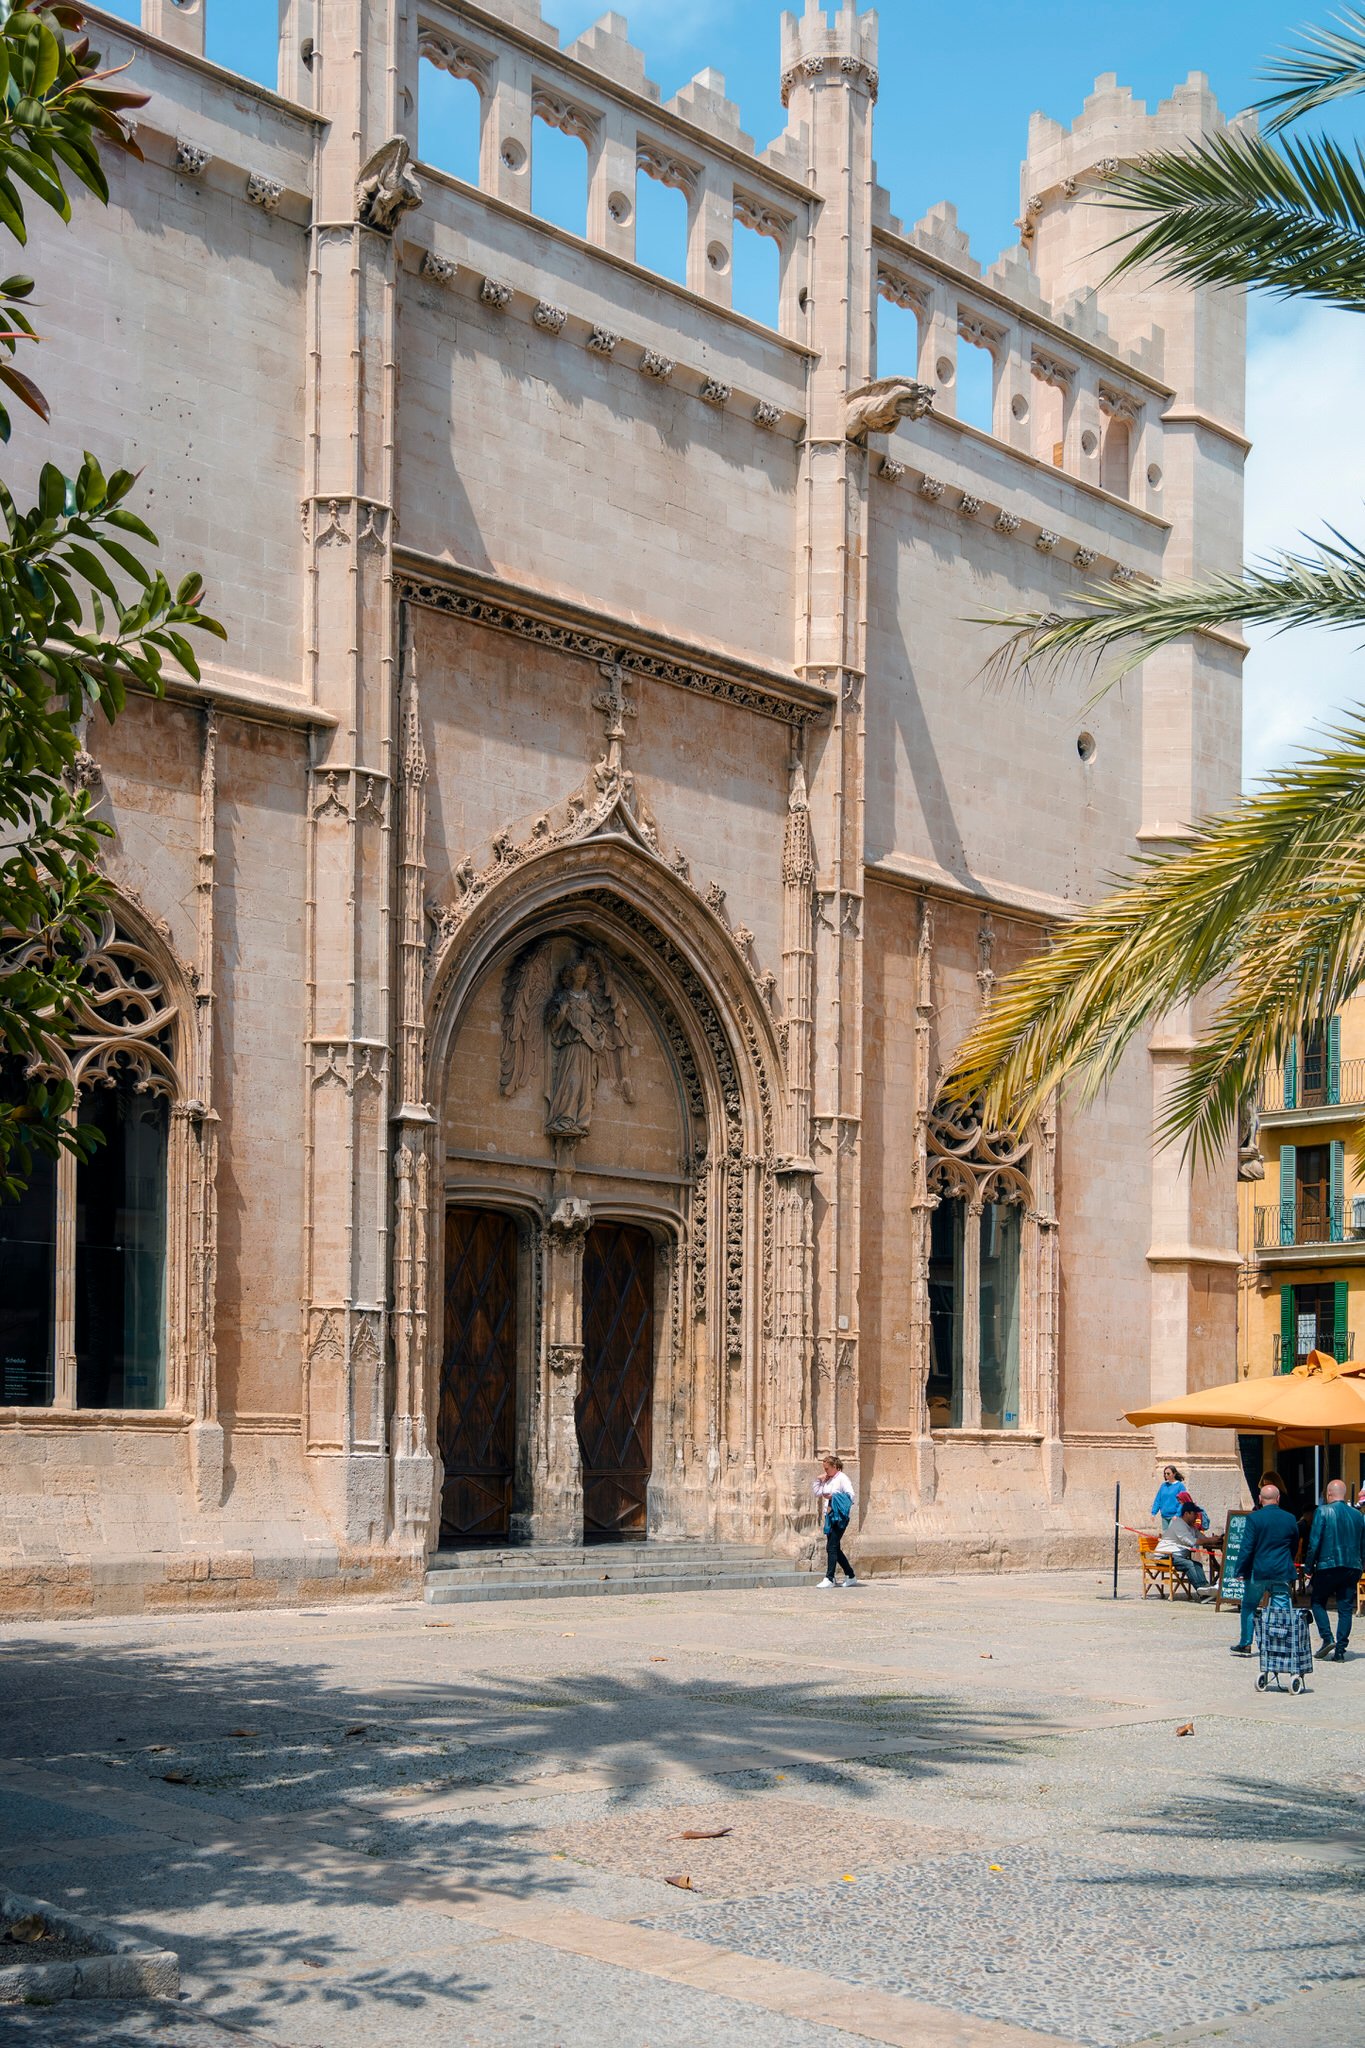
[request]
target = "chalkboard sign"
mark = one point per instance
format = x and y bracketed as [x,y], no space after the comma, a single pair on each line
[1234,1536]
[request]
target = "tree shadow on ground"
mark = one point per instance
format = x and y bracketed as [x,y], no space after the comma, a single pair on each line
[274,1809]
[1250,1810]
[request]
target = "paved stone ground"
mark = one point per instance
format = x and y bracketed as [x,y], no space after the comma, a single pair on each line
[958,1812]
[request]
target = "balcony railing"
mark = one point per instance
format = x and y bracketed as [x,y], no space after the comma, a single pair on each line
[1311,1222]
[1316,1087]
[1338,1344]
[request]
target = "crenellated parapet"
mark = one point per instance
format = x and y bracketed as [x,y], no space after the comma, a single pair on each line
[815,44]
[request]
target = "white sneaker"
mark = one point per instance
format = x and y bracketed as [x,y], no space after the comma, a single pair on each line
[828,1582]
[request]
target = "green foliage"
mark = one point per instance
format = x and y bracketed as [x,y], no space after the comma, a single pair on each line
[1265,907]
[1327,65]
[1267,903]
[83,618]
[1239,210]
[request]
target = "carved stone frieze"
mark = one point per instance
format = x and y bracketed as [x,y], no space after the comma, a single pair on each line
[602,341]
[969,505]
[767,416]
[932,487]
[458,58]
[264,192]
[1007,522]
[903,291]
[1050,369]
[660,163]
[83,772]
[1085,558]
[713,392]
[1046,541]
[980,333]
[550,318]
[1119,405]
[558,112]
[654,365]
[762,218]
[495,293]
[815,66]
[192,158]
[442,270]
[483,611]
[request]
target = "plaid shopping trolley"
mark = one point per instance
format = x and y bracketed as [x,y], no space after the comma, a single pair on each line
[1286,1647]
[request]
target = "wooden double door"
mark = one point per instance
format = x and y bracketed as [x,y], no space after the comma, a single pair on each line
[477,1425]
[615,1409]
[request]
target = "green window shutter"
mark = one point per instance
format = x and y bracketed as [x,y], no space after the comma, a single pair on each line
[1341,1316]
[1291,1077]
[1337,1192]
[1288,1329]
[1334,1059]
[1288,1190]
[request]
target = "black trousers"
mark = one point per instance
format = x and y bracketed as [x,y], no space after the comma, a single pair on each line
[834,1555]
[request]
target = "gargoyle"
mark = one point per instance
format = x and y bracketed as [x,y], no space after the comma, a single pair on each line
[875,408]
[387,187]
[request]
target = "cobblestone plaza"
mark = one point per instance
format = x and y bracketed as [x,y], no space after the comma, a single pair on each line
[958,1811]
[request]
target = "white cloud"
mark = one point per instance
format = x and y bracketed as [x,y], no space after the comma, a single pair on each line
[1306,472]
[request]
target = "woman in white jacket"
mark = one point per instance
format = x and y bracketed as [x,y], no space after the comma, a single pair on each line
[837,1493]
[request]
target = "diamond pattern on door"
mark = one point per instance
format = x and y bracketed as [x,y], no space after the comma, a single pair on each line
[478,1417]
[614,1412]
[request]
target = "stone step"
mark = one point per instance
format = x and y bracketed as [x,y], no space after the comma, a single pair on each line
[447,1589]
[614,1557]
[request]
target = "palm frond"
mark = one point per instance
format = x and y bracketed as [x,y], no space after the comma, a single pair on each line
[1235,209]
[1266,906]
[1326,64]
[1129,621]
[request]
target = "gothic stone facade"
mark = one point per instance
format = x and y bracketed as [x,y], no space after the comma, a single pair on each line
[536,944]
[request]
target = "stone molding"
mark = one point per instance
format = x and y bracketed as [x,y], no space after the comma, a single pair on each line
[608,345]
[1044,538]
[592,638]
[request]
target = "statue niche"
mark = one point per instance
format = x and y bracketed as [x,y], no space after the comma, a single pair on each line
[565,1024]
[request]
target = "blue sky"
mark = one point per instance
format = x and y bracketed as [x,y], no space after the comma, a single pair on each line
[958,85]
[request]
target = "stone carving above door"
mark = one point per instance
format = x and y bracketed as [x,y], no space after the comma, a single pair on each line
[564,1019]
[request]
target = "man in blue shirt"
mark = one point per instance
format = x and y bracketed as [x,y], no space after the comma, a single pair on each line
[1265,1563]
[1336,1558]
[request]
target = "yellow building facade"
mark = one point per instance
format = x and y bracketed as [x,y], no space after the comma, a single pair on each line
[1301,1222]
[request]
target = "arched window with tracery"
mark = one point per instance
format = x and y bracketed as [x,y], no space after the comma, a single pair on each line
[983,1272]
[83,1320]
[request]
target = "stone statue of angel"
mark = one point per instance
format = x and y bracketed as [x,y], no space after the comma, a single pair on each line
[580,1015]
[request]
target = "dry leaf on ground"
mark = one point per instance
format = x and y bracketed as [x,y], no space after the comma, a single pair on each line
[682,1884]
[702,1834]
[1185,1728]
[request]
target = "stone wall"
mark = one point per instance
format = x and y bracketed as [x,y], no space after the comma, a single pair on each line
[567,606]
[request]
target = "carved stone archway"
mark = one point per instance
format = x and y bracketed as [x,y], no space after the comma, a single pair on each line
[739,1369]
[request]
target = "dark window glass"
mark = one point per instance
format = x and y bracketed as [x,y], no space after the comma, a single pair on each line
[1000,1315]
[1315,1321]
[1314,1067]
[28,1237]
[121,1252]
[945,1313]
[1313,1175]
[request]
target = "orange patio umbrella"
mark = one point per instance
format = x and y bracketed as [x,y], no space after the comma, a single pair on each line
[1319,1402]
